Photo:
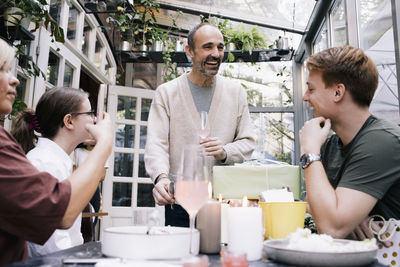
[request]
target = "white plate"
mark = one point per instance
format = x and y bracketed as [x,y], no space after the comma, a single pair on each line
[276,250]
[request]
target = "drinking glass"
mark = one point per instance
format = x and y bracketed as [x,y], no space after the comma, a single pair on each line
[204,130]
[192,185]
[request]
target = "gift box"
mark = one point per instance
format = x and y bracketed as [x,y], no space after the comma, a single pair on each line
[248,180]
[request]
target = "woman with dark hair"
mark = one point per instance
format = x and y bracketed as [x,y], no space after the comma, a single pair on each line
[60,118]
[32,203]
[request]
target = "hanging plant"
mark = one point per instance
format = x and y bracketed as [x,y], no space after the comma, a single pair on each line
[34,11]
[170,71]
[18,105]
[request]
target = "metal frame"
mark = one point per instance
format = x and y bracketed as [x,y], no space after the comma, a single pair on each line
[128,5]
[318,15]
[193,11]
[396,35]
[353,36]
[298,75]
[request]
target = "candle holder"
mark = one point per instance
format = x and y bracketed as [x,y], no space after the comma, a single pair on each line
[236,259]
[201,261]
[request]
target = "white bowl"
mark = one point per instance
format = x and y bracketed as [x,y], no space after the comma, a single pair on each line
[132,242]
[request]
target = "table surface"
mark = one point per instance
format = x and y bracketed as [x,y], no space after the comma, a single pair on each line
[93,250]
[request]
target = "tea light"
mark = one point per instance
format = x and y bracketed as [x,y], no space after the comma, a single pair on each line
[224,220]
[245,230]
[209,225]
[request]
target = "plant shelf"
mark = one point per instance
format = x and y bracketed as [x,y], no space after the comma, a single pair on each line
[105,6]
[12,33]
[265,55]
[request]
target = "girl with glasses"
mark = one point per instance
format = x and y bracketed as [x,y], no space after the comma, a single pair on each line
[61,117]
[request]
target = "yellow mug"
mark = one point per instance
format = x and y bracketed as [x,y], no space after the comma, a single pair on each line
[282,218]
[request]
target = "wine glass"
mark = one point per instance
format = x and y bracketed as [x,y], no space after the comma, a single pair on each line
[192,185]
[204,130]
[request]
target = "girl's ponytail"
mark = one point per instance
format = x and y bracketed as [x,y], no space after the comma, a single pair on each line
[24,127]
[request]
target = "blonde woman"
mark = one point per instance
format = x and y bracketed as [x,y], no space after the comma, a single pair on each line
[32,203]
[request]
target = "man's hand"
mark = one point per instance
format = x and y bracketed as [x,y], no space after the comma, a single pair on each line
[313,134]
[213,147]
[160,192]
[362,231]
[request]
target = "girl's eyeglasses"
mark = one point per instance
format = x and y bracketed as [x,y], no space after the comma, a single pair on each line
[92,113]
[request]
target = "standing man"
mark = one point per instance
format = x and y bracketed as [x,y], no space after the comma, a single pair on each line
[354,173]
[174,118]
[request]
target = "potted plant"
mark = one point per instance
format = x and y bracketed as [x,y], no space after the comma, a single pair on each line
[157,39]
[28,11]
[38,14]
[122,21]
[248,40]
[145,22]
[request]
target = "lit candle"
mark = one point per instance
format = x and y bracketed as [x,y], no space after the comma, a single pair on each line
[224,220]
[209,225]
[245,230]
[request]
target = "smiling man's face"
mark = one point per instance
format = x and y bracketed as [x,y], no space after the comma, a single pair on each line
[208,50]
[318,95]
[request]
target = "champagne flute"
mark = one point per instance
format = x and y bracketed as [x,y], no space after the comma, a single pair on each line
[204,130]
[192,185]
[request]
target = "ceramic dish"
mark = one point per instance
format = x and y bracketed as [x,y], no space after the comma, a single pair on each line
[277,250]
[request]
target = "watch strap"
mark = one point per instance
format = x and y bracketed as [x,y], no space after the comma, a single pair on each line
[307,159]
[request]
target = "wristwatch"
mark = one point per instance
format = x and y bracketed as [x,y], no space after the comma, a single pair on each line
[307,159]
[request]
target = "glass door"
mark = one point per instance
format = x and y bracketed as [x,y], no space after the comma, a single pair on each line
[127,186]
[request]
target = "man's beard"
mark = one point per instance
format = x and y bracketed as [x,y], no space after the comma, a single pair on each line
[213,72]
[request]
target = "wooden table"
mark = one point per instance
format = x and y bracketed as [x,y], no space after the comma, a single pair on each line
[92,250]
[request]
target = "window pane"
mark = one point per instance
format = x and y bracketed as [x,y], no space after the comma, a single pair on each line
[68,75]
[107,67]
[98,54]
[146,103]
[122,194]
[72,19]
[52,69]
[125,135]
[322,40]
[126,107]
[55,10]
[143,137]
[376,38]
[21,88]
[23,57]
[142,169]
[85,41]
[123,164]
[275,136]
[267,84]
[145,196]
[339,27]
